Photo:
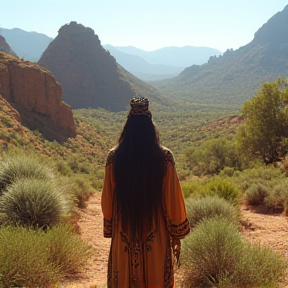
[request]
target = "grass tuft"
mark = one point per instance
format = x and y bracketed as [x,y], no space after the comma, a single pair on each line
[209,207]
[33,203]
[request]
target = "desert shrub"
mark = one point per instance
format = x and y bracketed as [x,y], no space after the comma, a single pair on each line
[15,167]
[278,196]
[78,165]
[209,207]
[215,255]
[33,202]
[222,188]
[66,249]
[191,189]
[80,189]
[63,168]
[33,258]
[267,174]
[258,266]
[227,171]
[256,194]
[24,259]
[211,251]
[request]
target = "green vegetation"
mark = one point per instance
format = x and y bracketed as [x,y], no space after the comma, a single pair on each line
[209,207]
[216,256]
[22,167]
[33,203]
[216,170]
[264,132]
[33,258]
[38,248]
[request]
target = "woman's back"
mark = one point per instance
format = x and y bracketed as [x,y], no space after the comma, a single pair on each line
[143,206]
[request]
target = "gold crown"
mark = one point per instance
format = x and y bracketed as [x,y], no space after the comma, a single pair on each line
[139,106]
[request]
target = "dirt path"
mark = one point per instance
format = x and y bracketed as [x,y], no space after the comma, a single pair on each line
[91,229]
[268,229]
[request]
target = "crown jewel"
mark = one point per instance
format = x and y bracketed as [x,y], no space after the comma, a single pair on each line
[139,106]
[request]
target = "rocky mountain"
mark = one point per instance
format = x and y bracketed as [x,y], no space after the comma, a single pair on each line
[235,77]
[27,45]
[35,93]
[4,46]
[88,74]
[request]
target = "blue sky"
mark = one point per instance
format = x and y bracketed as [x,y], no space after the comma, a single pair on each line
[147,24]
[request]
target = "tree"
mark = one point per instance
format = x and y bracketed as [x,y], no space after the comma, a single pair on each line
[265,126]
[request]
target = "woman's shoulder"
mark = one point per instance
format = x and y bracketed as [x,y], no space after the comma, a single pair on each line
[111,156]
[168,155]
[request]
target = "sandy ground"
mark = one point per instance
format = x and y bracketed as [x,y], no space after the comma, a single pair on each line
[259,225]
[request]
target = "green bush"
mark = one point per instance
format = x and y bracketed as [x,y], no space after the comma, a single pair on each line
[33,258]
[15,167]
[258,266]
[256,194]
[222,188]
[66,249]
[24,259]
[211,251]
[191,189]
[215,255]
[33,202]
[209,207]
[278,196]
[80,189]
[257,175]
[227,171]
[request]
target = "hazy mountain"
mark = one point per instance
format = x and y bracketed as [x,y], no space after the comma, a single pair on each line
[141,68]
[4,46]
[237,75]
[88,74]
[27,45]
[173,56]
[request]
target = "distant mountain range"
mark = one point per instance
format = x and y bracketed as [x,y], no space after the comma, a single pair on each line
[173,56]
[146,65]
[27,45]
[162,63]
[90,76]
[235,77]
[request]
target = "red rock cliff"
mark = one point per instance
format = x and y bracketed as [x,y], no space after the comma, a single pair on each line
[35,93]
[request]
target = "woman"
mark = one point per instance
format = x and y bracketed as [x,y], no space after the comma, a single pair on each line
[142,205]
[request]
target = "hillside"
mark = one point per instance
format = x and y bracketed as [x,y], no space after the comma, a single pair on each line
[236,76]
[27,45]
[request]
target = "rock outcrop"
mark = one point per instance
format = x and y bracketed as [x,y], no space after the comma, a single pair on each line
[88,74]
[35,93]
[4,46]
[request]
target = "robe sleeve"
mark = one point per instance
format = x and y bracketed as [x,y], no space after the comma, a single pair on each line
[174,206]
[107,199]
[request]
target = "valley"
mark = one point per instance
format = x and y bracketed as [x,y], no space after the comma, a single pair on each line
[225,120]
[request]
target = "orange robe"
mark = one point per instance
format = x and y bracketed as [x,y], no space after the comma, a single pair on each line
[147,263]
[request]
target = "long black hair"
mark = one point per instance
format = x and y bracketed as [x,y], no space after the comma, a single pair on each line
[139,171]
